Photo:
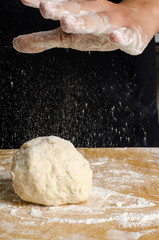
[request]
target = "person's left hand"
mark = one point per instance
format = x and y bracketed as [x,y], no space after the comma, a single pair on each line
[92,25]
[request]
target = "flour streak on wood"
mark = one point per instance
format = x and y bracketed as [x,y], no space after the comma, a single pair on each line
[124,203]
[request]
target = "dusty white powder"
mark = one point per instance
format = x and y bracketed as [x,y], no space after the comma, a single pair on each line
[119,204]
[35,212]
[77,237]
[13,211]
[27,223]
[2,168]
[98,163]
[5,159]
[93,211]
[106,204]
[123,235]
[4,175]
[122,149]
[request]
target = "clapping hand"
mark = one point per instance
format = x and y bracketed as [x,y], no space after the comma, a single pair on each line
[92,25]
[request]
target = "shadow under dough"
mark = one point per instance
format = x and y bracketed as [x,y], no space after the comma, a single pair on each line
[7,194]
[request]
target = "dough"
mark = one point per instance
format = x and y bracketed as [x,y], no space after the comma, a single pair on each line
[50,171]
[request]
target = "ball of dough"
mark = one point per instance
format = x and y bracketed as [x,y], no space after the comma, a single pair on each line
[50,171]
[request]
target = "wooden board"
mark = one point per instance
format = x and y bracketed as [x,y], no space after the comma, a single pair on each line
[123,205]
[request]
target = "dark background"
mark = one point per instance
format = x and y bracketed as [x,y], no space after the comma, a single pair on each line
[47,93]
[24,98]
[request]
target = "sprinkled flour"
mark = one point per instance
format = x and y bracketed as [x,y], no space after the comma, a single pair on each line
[117,199]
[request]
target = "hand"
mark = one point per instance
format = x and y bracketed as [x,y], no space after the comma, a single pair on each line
[93,25]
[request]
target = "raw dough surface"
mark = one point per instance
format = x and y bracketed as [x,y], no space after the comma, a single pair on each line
[50,171]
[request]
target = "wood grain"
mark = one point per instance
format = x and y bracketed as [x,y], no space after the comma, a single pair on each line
[124,203]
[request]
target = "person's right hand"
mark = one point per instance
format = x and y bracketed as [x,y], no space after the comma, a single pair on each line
[92,25]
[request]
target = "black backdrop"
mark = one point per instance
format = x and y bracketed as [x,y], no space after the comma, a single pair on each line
[93,99]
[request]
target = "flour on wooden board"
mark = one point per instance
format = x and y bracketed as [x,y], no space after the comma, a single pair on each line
[105,204]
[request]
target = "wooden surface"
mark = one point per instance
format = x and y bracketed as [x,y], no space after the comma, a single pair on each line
[123,205]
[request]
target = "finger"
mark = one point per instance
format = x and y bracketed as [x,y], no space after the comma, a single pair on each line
[92,23]
[32,3]
[132,41]
[36,3]
[39,42]
[56,10]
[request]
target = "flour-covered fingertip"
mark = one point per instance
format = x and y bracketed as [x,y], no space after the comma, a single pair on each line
[120,36]
[48,10]
[68,23]
[18,43]
[26,2]
[30,3]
